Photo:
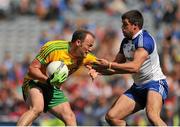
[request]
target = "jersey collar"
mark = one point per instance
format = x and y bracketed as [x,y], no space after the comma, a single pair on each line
[137,34]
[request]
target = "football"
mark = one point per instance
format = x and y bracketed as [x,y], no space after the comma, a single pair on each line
[53,66]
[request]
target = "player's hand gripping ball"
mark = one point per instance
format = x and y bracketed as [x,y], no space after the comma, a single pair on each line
[57,72]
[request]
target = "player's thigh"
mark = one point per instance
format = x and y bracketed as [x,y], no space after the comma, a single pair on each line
[62,110]
[35,98]
[154,102]
[123,107]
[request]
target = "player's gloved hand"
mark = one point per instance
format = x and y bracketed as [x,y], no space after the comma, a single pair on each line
[56,78]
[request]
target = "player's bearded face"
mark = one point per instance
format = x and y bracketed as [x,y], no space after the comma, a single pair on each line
[127,34]
[86,46]
[82,51]
[127,29]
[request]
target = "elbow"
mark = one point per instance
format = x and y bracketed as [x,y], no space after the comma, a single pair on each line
[29,71]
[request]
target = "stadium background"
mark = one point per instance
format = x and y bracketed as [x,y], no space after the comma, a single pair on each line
[25,25]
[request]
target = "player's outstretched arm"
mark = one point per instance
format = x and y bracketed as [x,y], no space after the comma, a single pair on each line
[133,66]
[106,69]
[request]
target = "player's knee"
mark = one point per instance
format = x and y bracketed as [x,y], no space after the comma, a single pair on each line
[69,116]
[114,120]
[37,111]
[109,117]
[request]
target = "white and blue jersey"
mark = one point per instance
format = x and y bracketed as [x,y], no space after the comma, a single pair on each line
[150,76]
[150,70]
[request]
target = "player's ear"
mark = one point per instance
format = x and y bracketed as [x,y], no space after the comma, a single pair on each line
[78,42]
[135,26]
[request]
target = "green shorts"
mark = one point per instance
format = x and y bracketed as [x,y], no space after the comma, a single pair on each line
[52,95]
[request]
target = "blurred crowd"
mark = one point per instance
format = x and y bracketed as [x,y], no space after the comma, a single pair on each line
[89,99]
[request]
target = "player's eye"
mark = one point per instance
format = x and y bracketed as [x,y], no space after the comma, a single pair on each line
[90,45]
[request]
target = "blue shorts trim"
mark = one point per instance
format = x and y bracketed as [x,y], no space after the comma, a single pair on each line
[138,92]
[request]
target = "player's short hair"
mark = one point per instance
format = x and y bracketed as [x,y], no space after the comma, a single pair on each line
[81,35]
[135,17]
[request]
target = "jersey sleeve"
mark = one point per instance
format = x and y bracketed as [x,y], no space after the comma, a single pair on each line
[145,42]
[41,55]
[89,59]
[51,51]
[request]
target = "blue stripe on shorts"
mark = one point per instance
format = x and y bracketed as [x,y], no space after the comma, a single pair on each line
[138,92]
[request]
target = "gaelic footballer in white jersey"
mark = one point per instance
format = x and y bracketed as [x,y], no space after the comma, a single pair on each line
[150,76]
[150,70]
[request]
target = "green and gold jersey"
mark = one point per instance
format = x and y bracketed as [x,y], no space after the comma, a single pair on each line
[59,51]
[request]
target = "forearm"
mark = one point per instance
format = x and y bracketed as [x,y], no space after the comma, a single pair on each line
[133,66]
[36,74]
[111,72]
[107,71]
[124,67]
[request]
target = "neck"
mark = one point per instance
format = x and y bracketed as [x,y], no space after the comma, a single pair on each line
[136,33]
[72,55]
[72,52]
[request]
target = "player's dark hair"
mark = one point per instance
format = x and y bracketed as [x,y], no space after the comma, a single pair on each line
[81,35]
[135,17]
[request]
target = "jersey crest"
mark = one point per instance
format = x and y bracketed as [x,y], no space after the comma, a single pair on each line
[128,49]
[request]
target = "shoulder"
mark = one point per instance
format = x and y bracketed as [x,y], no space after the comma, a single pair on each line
[146,41]
[57,44]
[52,50]
[147,37]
